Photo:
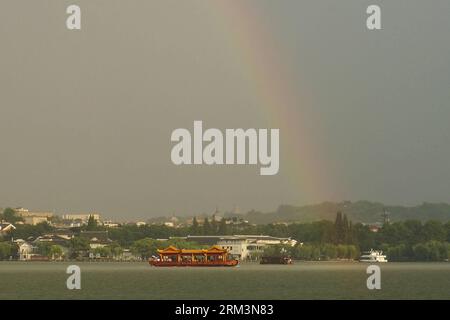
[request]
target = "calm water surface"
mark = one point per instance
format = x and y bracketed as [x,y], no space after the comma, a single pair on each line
[303,280]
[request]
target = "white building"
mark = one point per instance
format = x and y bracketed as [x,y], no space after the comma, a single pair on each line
[33,217]
[243,247]
[97,239]
[26,250]
[110,224]
[250,247]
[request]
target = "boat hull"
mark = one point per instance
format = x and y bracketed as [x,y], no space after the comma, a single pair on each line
[230,263]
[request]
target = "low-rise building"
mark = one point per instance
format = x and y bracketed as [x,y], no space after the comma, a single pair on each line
[60,240]
[97,239]
[54,239]
[34,220]
[243,247]
[22,212]
[110,224]
[249,247]
[33,217]
[26,250]
[5,228]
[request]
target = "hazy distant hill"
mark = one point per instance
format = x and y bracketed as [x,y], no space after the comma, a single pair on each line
[360,211]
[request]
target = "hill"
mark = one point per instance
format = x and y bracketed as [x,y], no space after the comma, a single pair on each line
[360,211]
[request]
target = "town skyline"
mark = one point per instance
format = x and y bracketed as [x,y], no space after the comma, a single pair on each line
[360,211]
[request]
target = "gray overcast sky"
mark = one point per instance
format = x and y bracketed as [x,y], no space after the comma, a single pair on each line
[86,116]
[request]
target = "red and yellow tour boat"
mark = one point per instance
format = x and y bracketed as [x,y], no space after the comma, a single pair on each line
[174,257]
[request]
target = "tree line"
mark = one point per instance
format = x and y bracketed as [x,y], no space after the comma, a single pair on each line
[410,240]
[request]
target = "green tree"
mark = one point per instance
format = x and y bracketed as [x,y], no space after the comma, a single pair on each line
[145,248]
[116,250]
[92,224]
[350,238]
[214,226]
[345,229]
[195,228]
[434,230]
[223,229]
[78,247]
[102,252]
[339,228]
[342,251]
[43,248]
[55,252]
[438,251]
[421,252]
[414,231]
[394,234]
[304,252]
[364,237]
[6,250]
[277,250]
[329,252]
[352,252]
[447,228]
[401,252]
[10,216]
[315,253]
[206,227]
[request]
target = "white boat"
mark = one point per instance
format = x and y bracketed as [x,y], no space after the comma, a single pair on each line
[373,256]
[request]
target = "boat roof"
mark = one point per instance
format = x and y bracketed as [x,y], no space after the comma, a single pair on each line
[174,250]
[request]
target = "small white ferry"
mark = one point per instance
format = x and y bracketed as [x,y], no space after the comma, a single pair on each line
[373,256]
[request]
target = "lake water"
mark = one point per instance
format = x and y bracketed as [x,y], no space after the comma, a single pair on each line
[303,280]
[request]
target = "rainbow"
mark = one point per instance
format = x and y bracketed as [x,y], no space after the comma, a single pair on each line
[262,64]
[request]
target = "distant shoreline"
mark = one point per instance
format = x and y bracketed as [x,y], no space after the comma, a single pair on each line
[240,262]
